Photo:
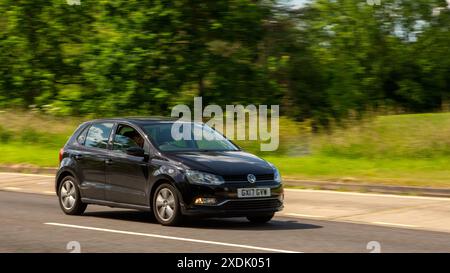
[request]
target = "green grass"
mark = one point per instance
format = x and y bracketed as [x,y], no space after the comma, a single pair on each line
[433,172]
[411,150]
[396,136]
[19,153]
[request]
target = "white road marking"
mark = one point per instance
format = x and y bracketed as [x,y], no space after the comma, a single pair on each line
[394,224]
[173,238]
[27,174]
[49,192]
[350,221]
[303,215]
[12,189]
[372,194]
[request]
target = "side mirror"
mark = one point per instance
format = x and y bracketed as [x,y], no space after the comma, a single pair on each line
[135,151]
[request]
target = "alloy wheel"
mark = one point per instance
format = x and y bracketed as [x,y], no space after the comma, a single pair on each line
[165,204]
[68,194]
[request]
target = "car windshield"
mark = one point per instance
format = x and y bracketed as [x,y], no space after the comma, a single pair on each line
[187,136]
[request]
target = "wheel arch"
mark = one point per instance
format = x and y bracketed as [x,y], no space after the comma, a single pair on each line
[157,183]
[61,175]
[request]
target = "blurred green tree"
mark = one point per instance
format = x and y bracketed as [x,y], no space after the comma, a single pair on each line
[322,61]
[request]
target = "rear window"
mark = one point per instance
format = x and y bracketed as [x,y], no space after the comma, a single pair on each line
[98,135]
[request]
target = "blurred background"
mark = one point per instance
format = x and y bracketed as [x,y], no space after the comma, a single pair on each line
[363,85]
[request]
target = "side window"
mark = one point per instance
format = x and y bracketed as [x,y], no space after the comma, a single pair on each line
[98,135]
[82,136]
[127,137]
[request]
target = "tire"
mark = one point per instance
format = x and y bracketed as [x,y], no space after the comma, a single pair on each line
[260,219]
[69,197]
[166,205]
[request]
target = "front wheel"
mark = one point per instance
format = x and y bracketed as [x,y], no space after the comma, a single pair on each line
[166,206]
[260,219]
[69,197]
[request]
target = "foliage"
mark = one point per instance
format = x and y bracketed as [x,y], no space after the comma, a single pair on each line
[321,62]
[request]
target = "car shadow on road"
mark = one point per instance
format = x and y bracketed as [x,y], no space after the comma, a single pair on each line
[243,224]
[205,223]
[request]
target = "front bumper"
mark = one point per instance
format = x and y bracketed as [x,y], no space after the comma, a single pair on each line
[228,204]
[236,208]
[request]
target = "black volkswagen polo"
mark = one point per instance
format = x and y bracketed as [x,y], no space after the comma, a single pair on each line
[137,163]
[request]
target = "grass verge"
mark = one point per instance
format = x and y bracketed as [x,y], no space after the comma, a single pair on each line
[405,150]
[402,172]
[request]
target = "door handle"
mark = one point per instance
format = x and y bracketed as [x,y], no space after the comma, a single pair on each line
[78,157]
[108,161]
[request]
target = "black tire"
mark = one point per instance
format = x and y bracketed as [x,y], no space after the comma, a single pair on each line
[78,207]
[260,219]
[163,216]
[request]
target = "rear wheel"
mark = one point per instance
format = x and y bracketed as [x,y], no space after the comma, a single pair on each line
[166,206]
[260,219]
[69,197]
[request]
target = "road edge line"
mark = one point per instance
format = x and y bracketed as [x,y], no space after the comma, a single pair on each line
[171,238]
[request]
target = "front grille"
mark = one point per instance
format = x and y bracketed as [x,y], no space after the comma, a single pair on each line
[241,178]
[252,204]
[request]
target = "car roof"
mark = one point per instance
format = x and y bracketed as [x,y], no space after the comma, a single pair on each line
[138,119]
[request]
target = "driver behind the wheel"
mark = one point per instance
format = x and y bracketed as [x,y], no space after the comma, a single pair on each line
[135,137]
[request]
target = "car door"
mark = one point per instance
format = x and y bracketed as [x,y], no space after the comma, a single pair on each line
[91,159]
[127,175]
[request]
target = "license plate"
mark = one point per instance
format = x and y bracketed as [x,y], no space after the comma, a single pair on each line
[253,192]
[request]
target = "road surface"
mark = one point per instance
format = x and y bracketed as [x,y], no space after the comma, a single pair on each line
[312,221]
[415,212]
[35,223]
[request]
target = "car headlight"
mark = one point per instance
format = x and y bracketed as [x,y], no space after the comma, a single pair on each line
[196,177]
[276,173]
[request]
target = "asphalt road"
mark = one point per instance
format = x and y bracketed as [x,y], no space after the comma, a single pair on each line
[413,212]
[35,223]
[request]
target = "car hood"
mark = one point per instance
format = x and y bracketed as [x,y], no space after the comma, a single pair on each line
[223,162]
